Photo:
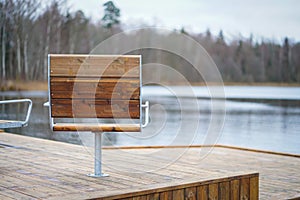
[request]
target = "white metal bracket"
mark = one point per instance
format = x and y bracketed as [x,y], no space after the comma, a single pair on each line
[146,106]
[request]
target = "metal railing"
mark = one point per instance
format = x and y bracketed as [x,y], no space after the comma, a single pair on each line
[16,123]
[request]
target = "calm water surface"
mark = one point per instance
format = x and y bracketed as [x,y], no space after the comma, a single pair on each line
[266,118]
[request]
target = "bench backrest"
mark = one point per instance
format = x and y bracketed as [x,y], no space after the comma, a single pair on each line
[95,86]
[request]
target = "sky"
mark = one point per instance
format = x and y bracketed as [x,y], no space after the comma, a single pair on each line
[265,19]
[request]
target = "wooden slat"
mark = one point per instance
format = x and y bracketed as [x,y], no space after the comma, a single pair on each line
[137,198]
[213,191]
[97,127]
[202,192]
[66,108]
[73,59]
[95,88]
[154,196]
[254,188]
[190,193]
[235,189]
[12,194]
[178,194]
[167,195]
[244,188]
[94,66]
[224,190]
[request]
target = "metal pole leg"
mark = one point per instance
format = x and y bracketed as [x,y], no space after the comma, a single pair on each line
[98,157]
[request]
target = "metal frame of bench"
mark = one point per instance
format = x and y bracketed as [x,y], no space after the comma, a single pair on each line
[86,86]
[16,123]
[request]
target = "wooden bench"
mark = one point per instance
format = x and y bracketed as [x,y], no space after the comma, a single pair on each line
[16,123]
[96,87]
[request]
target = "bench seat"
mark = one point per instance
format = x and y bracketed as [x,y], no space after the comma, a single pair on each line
[8,123]
[11,124]
[95,127]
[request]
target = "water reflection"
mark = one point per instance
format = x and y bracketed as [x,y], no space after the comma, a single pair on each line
[268,125]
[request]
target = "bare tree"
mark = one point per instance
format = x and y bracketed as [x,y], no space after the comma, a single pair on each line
[3,7]
[28,35]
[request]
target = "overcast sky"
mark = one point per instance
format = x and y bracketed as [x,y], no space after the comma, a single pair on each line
[269,19]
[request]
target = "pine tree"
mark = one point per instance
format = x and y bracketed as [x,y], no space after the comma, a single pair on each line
[111,15]
[285,61]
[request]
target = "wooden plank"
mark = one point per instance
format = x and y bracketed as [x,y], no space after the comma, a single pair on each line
[97,127]
[258,150]
[29,189]
[65,88]
[91,80]
[136,198]
[178,194]
[213,191]
[167,195]
[235,189]
[224,190]
[96,72]
[202,192]
[244,188]
[154,196]
[254,189]
[73,59]
[60,180]
[190,193]
[94,66]
[66,108]
[6,193]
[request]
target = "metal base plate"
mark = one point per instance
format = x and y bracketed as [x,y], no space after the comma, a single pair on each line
[98,175]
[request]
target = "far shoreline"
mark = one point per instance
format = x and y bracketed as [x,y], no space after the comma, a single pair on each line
[43,85]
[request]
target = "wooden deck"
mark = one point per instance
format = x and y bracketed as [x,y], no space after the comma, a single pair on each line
[32,168]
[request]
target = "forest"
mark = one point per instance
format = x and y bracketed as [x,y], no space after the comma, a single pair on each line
[30,30]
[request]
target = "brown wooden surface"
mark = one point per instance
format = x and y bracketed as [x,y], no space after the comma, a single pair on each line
[235,189]
[224,190]
[67,88]
[94,86]
[166,195]
[67,108]
[245,188]
[178,194]
[33,168]
[190,193]
[202,192]
[97,127]
[254,184]
[94,66]
[213,191]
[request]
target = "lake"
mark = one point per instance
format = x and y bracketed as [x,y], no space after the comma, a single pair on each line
[266,118]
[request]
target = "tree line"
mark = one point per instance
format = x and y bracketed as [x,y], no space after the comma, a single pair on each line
[30,31]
